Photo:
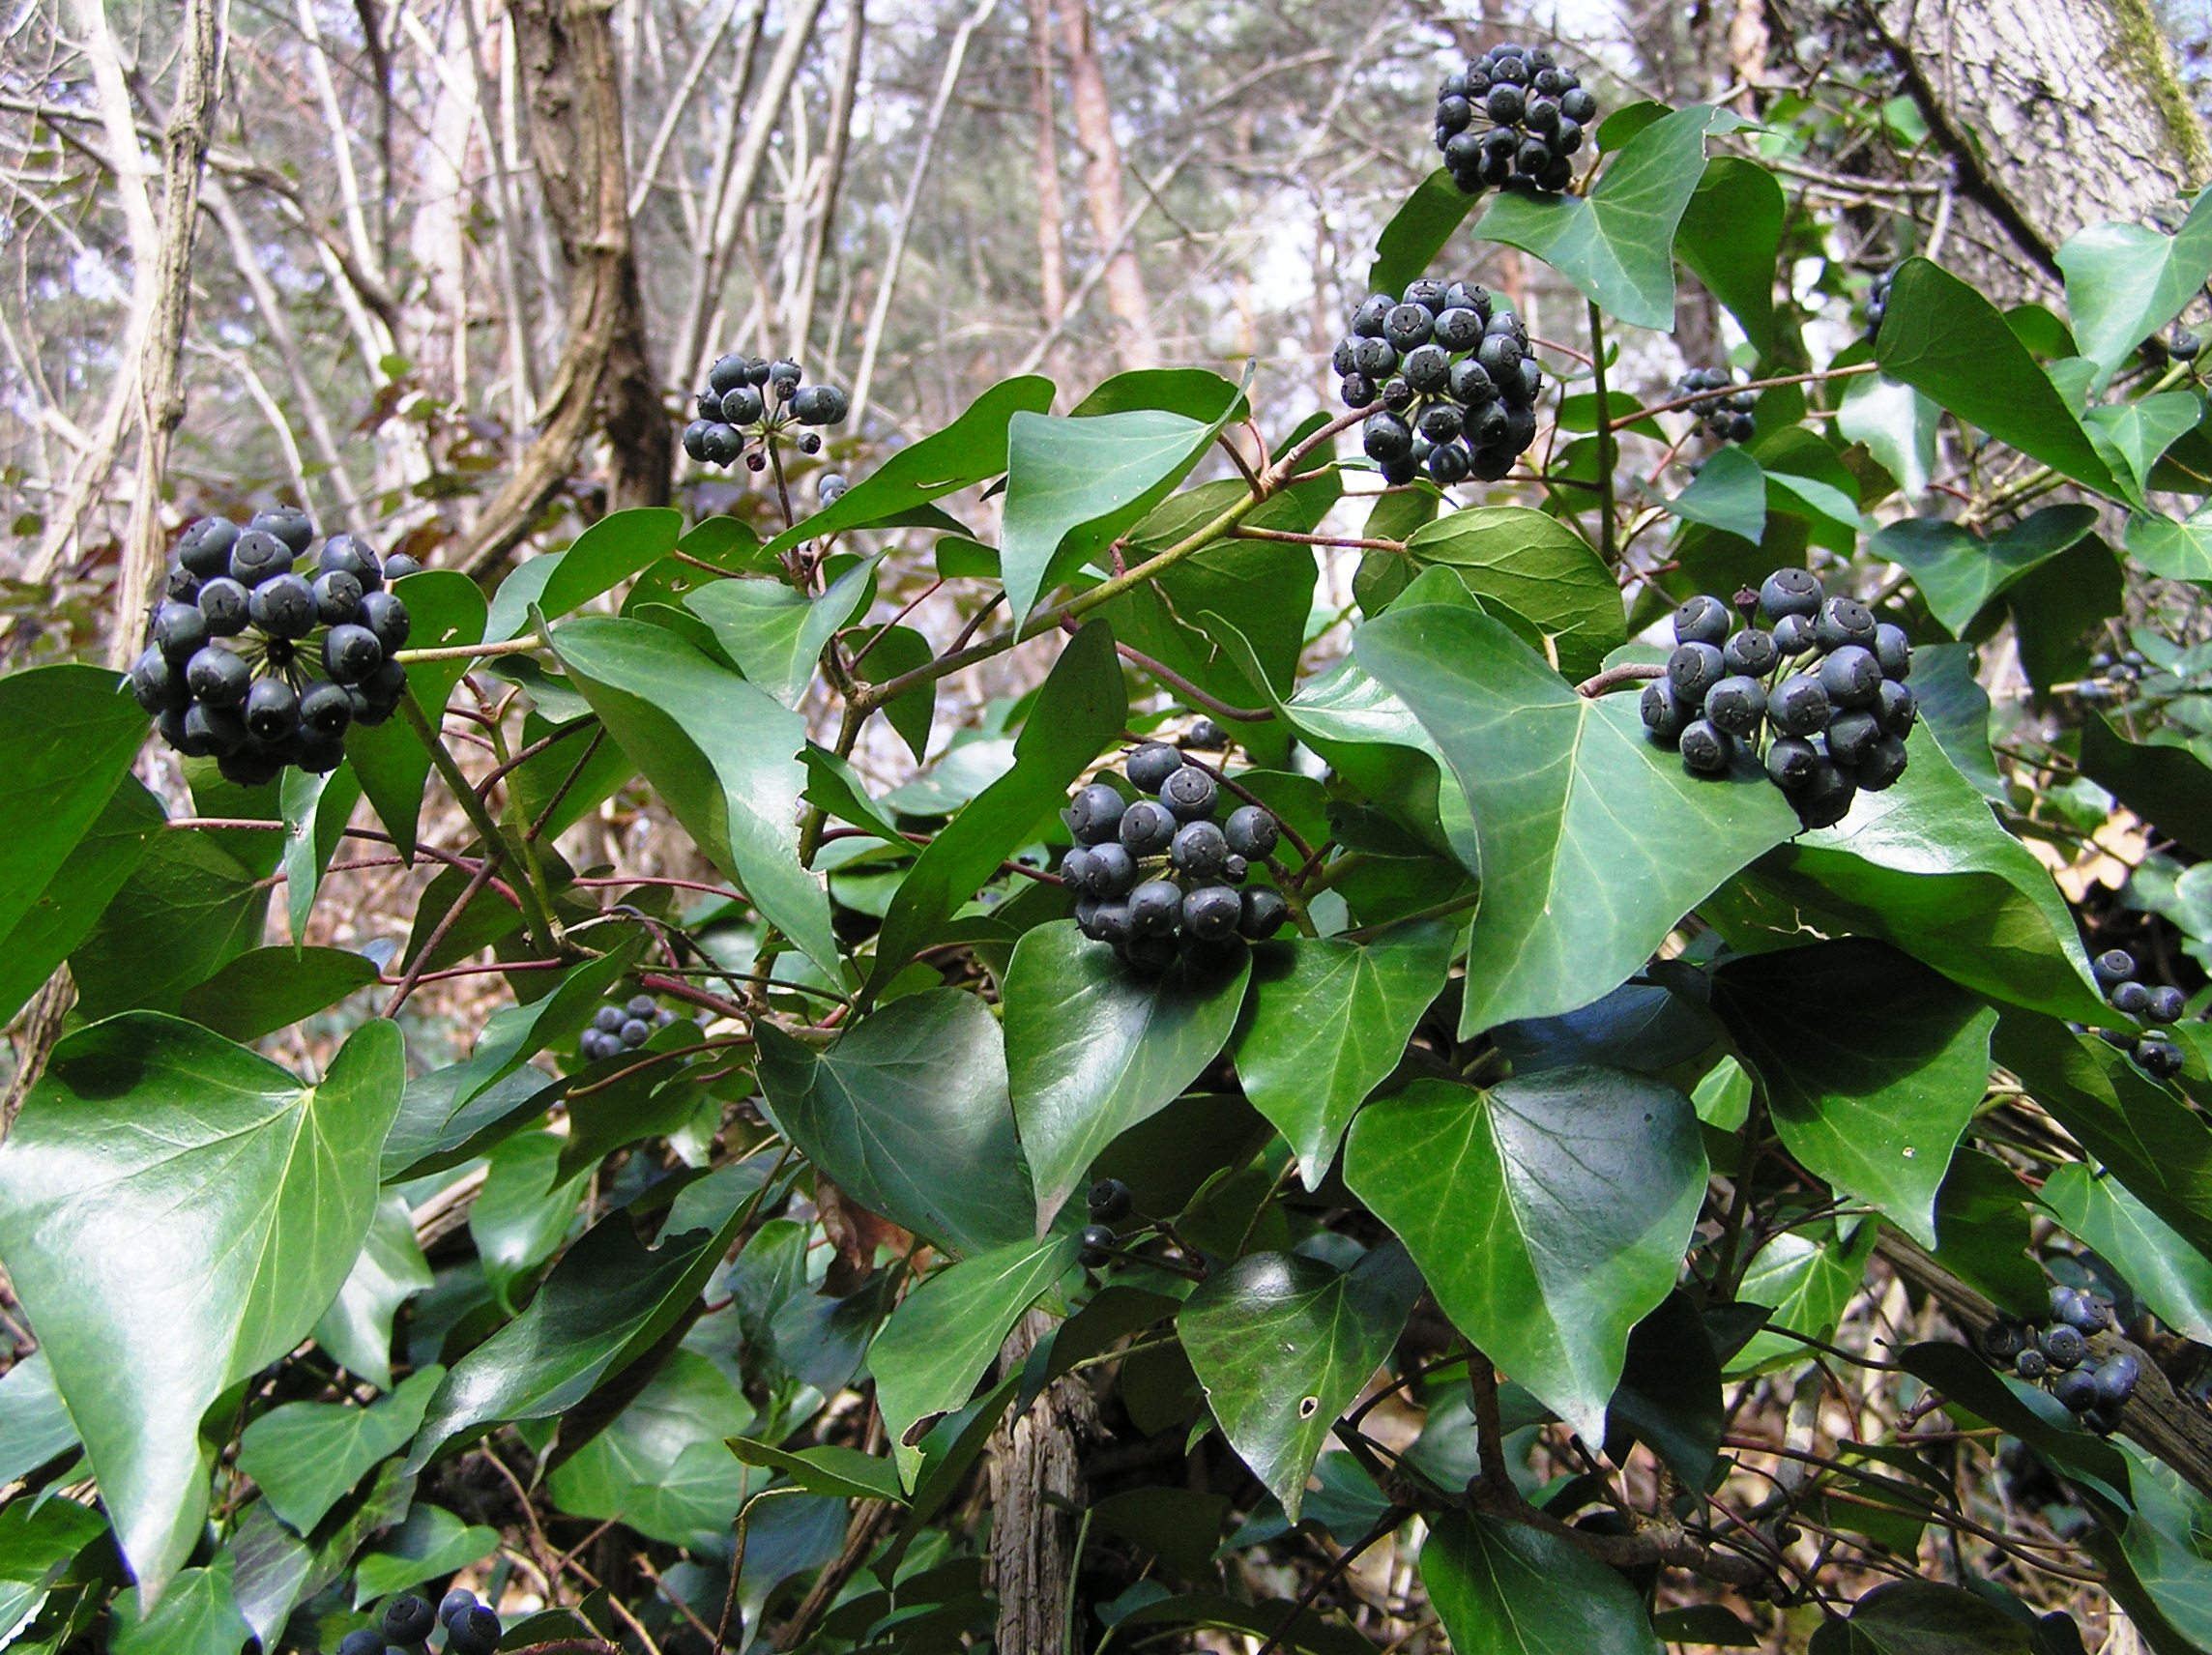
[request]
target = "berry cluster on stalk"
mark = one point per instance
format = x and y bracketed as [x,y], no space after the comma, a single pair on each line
[1109,1202]
[2056,1355]
[747,400]
[1723,411]
[1878,301]
[1153,874]
[2153,1048]
[1447,369]
[258,660]
[1817,690]
[622,1026]
[1514,116]
[471,1627]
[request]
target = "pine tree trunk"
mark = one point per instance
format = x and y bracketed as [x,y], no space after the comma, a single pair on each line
[1125,295]
[2055,113]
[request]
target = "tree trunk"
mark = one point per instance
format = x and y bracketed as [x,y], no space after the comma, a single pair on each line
[1052,258]
[2041,142]
[1125,295]
[1037,1479]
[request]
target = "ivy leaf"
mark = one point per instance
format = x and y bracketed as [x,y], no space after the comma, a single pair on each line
[306,1456]
[1284,1343]
[1872,1064]
[908,1113]
[1983,1236]
[2125,283]
[946,1334]
[1080,710]
[1327,1021]
[660,1464]
[2174,548]
[198,1616]
[1594,841]
[846,1473]
[357,1328]
[431,1542]
[1958,573]
[1806,1279]
[316,808]
[188,908]
[1094,1046]
[1896,424]
[67,734]
[2133,435]
[1507,1588]
[1583,1185]
[1730,239]
[599,559]
[1729,493]
[723,754]
[1670,1392]
[161,1178]
[446,608]
[1534,565]
[1417,232]
[776,634]
[267,989]
[41,937]
[1616,245]
[34,1424]
[1944,339]
[2165,778]
[2166,1273]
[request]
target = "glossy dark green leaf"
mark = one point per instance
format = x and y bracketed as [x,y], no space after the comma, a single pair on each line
[2162,1542]
[1195,392]
[268,989]
[446,608]
[1806,1278]
[1648,1026]
[38,1541]
[1945,341]
[2020,1410]
[357,1328]
[1668,1397]
[1873,1065]
[1327,1020]
[2056,607]
[888,652]
[908,1113]
[67,737]
[1533,565]
[2134,435]
[2165,778]
[1616,245]
[2166,1273]
[723,754]
[161,1177]
[2125,283]
[599,559]
[1895,425]
[306,1456]
[1922,1618]
[970,450]
[523,1210]
[946,1334]
[1293,1629]
[315,810]
[1958,573]
[1729,493]
[2175,548]
[1956,708]
[1283,1345]
[513,1034]
[844,1472]
[1594,841]
[1584,1184]
[446,1116]
[34,1424]
[64,913]
[198,1615]
[1094,1046]
[1705,1625]
[660,1466]
[1506,1589]
[776,634]
[1983,1236]
[430,1543]
[1417,232]
[188,907]
[1730,240]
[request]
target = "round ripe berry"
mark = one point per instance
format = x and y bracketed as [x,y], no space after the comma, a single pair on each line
[1501,356]
[338,598]
[318,755]
[1151,765]
[1200,849]
[831,489]
[1459,329]
[408,1619]
[2130,999]
[1375,359]
[1212,912]
[1386,437]
[1740,428]
[1843,621]
[1850,676]
[1357,391]
[695,438]
[1077,869]
[1735,705]
[324,709]
[1251,831]
[1705,749]
[1527,385]
[1896,706]
[1147,828]
[2167,1004]
[1449,464]
[742,406]
[1341,358]
[1791,763]
[1492,427]
[344,554]
[2116,1379]
[1852,735]
[1578,105]
[2003,1339]
[181,585]
[2063,1346]
[1531,159]
[1470,383]
[212,729]
[387,617]
[721,445]
[636,1031]
[1827,798]
[1692,669]
[1506,104]
[362,1641]
[1189,794]
[217,677]
[1751,651]
[257,556]
[1443,423]
[474,1632]
[1154,907]
[1788,592]
[1882,766]
[1094,814]
[286,607]
[1263,912]
[1109,1200]
[641,1005]
[1542,115]
[1408,326]
[289,524]
[2031,1364]
[1519,429]
[205,547]
[783,377]
[2114,966]
[1794,636]
[1113,871]
[2183,345]
[2159,1055]
[707,405]
[1703,620]
[1397,396]
[1428,293]
[272,711]
[180,630]
[609,1019]
[155,684]
[1428,368]
[351,653]
[1086,917]
[1893,649]
[821,405]
[727,373]
[1096,1245]
[2077,1391]
[1568,138]
[1663,715]
[1373,314]
[2065,1304]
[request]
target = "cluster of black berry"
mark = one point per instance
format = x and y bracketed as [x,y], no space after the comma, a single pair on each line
[1830,725]
[1452,369]
[2115,677]
[1723,411]
[1514,117]
[259,666]
[1109,1200]
[1148,872]
[747,400]
[2153,1048]
[623,1026]
[1877,300]
[2057,1357]
[471,1627]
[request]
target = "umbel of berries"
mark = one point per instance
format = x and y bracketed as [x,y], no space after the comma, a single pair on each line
[260,656]
[748,400]
[1447,371]
[623,1026]
[2056,1355]
[2153,1048]
[1160,872]
[1816,689]
[1515,116]
[1723,411]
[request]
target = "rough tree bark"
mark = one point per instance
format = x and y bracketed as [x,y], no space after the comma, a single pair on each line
[571,80]
[2040,144]
[1052,257]
[1093,108]
[1036,1480]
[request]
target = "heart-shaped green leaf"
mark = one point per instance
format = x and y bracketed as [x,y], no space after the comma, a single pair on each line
[776,634]
[2176,548]
[1506,1589]
[1958,573]
[1417,232]
[2166,1273]
[357,1330]
[79,891]
[188,908]
[1730,239]
[1729,493]
[2134,435]
[67,737]
[2126,281]
[306,1456]
[2164,778]
[267,989]
[1533,565]
[660,1466]
[603,557]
